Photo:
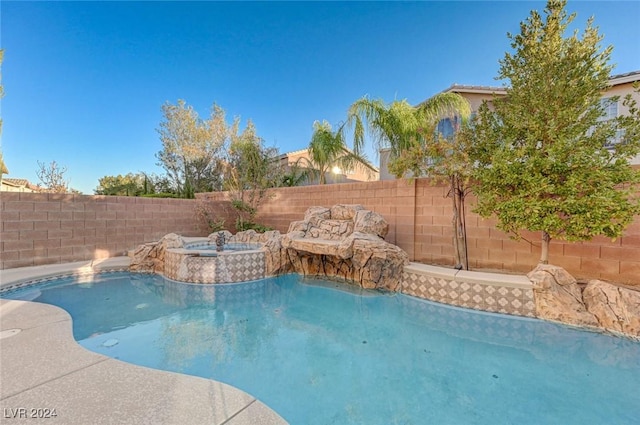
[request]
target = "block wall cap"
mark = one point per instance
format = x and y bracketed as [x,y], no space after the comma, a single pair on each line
[494,279]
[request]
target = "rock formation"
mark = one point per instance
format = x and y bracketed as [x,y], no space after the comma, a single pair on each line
[345,241]
[276,259]
[558,296]
[603,305]
[615,308]
[149,257]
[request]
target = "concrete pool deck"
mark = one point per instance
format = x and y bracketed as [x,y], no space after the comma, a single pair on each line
[42,368]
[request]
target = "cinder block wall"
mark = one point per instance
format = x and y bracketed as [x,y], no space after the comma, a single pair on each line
[40,228]
[492,249]
[49,228]
[394,199]
[420,220]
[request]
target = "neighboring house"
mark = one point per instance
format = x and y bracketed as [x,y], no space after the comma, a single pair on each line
[18,185]
[337,175]
[621,85]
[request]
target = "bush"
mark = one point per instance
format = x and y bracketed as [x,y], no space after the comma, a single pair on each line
[160,195]
[242,225]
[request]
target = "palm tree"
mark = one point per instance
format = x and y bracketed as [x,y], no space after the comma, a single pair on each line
[328,149]
[400,125]
[3,168]
[295,175]
[411,134]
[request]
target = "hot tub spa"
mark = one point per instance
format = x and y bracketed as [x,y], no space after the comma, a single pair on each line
[200,262]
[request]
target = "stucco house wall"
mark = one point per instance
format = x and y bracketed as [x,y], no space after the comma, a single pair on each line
[357,174]
[621,85]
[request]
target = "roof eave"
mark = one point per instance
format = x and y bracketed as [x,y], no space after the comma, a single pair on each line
[475,89]
[630,77]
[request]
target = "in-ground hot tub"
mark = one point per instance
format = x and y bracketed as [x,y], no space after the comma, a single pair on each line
[200,262]
[208,248]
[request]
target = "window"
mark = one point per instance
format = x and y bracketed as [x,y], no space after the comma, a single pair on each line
[610,108]
[610,111]
[447,126]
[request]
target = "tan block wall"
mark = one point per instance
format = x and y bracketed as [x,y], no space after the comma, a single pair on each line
[420,216]
[40,228]
[492,249]
[48,228]
[393,199]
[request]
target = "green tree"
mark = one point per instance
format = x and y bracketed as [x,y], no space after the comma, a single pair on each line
[445,158]
[1,86]
[250,171]
[296,174]
[418,149]
[545,156]
[327,149]
[398,125]
[192,148]
[127,185]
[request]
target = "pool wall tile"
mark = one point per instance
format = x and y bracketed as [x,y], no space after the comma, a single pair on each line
[507,295]
[229,267]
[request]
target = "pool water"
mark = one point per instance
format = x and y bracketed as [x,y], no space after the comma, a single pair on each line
[320,352]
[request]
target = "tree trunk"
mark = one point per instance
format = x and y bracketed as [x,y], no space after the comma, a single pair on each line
[459,225]
[544,255]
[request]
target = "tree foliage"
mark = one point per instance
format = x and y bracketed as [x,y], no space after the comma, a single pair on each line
[52,177]
[139,184]
[3,167]
[418,149]
[1,86]
[545,160]
[192,147]
[445,159]
[251,169]
[399,125]
[296,174]
[327,149]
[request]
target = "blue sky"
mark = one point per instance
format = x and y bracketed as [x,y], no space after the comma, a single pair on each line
[84,81]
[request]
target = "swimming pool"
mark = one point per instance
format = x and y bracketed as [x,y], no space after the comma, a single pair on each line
[319,352]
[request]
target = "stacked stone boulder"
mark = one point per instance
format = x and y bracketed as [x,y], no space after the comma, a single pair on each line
[346,242]
[276,259]
[149,257]
[616,308]
[559,297]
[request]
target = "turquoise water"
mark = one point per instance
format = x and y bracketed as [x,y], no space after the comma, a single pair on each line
[323,353]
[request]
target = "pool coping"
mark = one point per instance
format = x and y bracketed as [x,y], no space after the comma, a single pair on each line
[43,367]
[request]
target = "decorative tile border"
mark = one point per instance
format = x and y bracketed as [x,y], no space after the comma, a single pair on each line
[207,244]
[476,290]
[45,279]
[508,294]
[226,267]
